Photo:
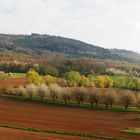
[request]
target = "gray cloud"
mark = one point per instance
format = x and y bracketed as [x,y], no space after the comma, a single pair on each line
[107,23]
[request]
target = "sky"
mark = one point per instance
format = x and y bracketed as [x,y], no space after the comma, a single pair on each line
[106,23]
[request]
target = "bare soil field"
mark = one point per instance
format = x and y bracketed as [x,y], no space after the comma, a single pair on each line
[13,134]
[12,82]
[67,119]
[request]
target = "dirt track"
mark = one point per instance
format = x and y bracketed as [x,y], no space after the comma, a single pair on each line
[49,117]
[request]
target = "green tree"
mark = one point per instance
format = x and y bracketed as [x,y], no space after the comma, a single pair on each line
[73,78]
[84,81]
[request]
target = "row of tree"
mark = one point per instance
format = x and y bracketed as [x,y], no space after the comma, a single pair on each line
[74,78]
[94,96]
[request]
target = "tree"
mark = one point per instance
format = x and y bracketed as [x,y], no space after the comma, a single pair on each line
[21,91]
[91,80]
[138,101]
[94,96]
[66,94]
[49,79]
[84,81]
[120,82]
[33,77]
[55,91]
[109,97]
[104,82]
[42,91]
[79,93]
[31,90]
[127,98]
[73,78]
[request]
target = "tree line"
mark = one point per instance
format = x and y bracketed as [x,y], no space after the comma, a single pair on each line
[81,95]
[74,78]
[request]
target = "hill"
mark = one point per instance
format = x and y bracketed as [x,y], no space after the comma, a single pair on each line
[37,44]
[129,55]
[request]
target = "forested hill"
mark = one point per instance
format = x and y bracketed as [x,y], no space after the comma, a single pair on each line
[130,55]
[37,44]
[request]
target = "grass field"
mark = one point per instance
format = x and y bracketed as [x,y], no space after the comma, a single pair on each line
[12,75]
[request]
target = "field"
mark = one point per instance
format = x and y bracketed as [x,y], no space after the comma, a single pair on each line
[12,75]
[64,119]
[12,82]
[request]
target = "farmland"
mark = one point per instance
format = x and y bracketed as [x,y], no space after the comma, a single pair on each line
[64,119]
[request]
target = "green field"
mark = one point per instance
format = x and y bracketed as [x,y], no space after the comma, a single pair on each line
[12,75]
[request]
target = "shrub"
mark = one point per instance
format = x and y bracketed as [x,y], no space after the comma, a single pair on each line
[127,98]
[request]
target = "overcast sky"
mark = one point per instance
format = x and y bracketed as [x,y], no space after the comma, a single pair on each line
[106,23]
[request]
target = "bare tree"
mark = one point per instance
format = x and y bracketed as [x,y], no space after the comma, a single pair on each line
[127,98]
[94,96]
[79,93]
[138,101]
[20,91]
[42,91]
[66,94]
[109,97]
[55,91]
[31,90]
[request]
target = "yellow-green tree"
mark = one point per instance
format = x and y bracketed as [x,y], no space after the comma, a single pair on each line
[33,77]
[120,82]
[49,79]
[104,82]
[73,78]
[84,81]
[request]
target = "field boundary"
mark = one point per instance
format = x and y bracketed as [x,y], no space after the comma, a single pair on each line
[61,132]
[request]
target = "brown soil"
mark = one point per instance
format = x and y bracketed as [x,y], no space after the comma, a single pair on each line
[68,119]
[13,134]
[12,82]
